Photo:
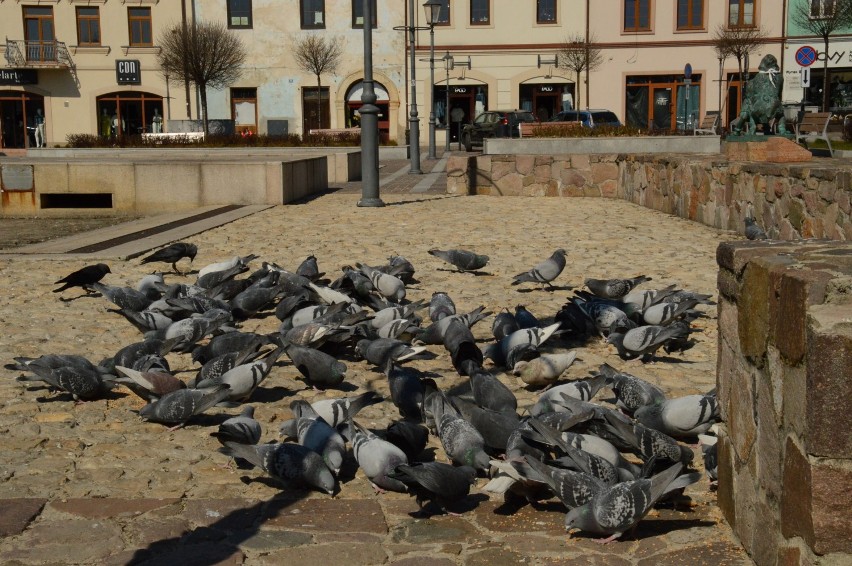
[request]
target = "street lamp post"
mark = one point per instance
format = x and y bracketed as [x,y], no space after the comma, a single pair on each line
[369,122]
[448,65]
[433,11]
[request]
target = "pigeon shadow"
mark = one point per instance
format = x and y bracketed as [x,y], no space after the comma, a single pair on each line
[548,289]
[271,394]
[469,503]
[419,200]
[476,273]
[83,296]
[342,386]
[64,396]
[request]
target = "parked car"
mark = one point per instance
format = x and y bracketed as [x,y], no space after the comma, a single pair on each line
[591,118]
[494,124]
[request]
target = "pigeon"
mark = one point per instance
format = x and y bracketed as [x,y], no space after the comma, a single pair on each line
[462,443]
[683,417]
[312,431]
[387,285]
[554,399]
[215,279]
[172,254]
[463,260]
[436,482]
[83,383]
[409,437]
[318,368]
[495,427]
[242,429]
[441,305]
[614,288]
[407,390]
[545,271]
[519,345]
[665,313]
[377,457]
[490,393]
[643,341]
[150,285]
[384,316]
[177,407]
[129,355]
[753,231]
[646,442]
[288,462]
[618,508]
[434,333]
[182,335]
[544,369]
[123,297]
[605,316]
[227,264]
[309,268]
[460,343]
[572,488]
[82,277]
[244,379]
[149,385]
[336,411]
[504,324]
[711,459]
[226,343]
[631,392]
[378,352]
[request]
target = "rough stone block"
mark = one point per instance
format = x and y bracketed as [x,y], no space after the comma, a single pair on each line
[796,518]
[753,311]
[17,514]
[832,500]
[797,290]
[326,515]
[728,284]
[769,435]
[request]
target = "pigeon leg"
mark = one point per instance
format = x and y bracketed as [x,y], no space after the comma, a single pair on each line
[377,488]
[174,428]
[609,539]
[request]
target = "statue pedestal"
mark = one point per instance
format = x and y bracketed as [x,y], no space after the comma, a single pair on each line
[770,149]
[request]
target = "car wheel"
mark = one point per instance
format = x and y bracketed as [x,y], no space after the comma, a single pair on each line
[467,143]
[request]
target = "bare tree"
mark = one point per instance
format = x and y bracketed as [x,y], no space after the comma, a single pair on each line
[823,18]
[318,54]
[205,54]
[579,54]
[737,42]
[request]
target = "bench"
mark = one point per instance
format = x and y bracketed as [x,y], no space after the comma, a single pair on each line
[530,129]
[708,125]
[814,125]
[174,136]
[336,131]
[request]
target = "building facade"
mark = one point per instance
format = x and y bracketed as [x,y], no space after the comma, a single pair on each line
[83,66]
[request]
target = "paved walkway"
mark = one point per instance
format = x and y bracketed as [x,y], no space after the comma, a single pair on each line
[90,483]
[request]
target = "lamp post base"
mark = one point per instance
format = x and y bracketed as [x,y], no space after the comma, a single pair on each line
[371,203]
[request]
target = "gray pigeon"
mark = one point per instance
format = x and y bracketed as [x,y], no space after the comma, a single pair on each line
[182,335]
[631,392]
[177,407]
[460,439]
[287,462]
[377,457]
[545,271]
[214,279]
[614,288]
[463,260]
[228,342]
[683,417]
[574,458]
[504,324]
[387,285]
[244,379]
[553,400]
[665,313]
[434,333]
[523,343]
[81,382]
[618,508]
[407,390]
[313,432]
[643,341]
[753,231]
[309,268]
[337,411]
[242,429]
[571,487]
[386,315]
[381,350]
[495,427]
[711,459]
[227,264]
[605,316]
[122,297]
[409,437]
[491,393]
[437,482]
[441,305]
[318,368]
[646,442]
[460,343]
[214,369]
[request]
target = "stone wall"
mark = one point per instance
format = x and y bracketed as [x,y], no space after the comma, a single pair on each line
[790,201]
[785,389]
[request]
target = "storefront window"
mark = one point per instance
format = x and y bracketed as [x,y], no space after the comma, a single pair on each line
[18,111]
[129,113]
[545,100]
[662,102]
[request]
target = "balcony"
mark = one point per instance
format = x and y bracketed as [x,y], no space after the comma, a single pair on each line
[38,54]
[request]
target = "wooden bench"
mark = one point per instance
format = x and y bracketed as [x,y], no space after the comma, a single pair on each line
[814,125]
[530,129]
[708,125]
[336,131]
[174,136]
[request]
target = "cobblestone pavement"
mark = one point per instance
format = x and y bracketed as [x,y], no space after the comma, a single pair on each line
[90,483]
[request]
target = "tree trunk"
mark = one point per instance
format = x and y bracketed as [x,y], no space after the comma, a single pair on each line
[577,93]
[319,103]
[826,98]
[203,91]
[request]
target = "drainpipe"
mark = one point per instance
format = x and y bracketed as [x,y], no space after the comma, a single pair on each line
[783,33]
[185,72]
[587,54]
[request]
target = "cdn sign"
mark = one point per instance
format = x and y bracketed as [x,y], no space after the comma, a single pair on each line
[128,72]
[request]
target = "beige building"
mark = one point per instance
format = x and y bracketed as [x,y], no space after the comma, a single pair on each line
[83,66]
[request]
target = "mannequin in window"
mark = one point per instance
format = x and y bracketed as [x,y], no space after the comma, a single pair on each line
[156,122]
[115,125]
[567,101]
[39,128]
[106,123]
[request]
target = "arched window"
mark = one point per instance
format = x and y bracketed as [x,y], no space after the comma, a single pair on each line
[129,113]
[18,112]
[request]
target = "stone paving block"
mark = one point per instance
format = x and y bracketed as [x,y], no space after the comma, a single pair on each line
[162,532]
[330,554]
[548,518]
[710,554]
[207,554]
[226,514]
[422,561]
[493,557]
[17,514]
[326,515]
[103,508]
[75,541]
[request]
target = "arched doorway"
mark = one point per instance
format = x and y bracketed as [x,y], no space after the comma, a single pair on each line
[129,113]
[353,103]
[18,111]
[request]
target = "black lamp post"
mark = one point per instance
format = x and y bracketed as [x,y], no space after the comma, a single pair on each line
[433,11]
[449,65]
[369,121]
[413,120]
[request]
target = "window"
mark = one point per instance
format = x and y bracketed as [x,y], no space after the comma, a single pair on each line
[822,8]
[444,14]
[358,13]
[637,15]
[139,20]
[239,14]
[740,13]
[88,26]
[313,14]
[480,12]
[545,11]
[244,110]
[690,14]
[39,33]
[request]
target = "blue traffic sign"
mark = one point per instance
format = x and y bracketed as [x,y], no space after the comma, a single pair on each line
[806,56]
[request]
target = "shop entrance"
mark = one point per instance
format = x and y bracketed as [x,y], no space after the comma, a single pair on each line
[353,105]
[129,113]
[18,112]
[662,102]
[465,102]
[545,100]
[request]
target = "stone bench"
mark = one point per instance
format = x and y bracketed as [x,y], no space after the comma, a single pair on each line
[174,136]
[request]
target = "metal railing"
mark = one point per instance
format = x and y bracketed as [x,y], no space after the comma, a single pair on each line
[22,53]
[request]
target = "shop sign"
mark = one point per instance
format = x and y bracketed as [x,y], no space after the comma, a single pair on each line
[128,72]
[17,77]
[546,88]
[459,90]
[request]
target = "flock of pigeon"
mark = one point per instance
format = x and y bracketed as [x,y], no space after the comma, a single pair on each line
[608,465]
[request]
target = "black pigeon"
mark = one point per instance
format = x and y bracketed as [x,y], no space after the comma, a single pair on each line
[438,482]
[85,276]
[753,231]
[409,437]
[173,254]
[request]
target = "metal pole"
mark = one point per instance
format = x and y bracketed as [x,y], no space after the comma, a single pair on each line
[369,122]
[447,108]
[432,153]
[414,124]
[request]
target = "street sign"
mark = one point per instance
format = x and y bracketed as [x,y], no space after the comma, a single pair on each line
[806,76]
[806,56]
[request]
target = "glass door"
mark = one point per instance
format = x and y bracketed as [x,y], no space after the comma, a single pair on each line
[39,33]
[662,109]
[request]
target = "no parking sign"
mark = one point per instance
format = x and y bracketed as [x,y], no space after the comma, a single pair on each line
[806,56]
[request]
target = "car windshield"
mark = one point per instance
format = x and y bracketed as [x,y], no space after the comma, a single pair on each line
[524,117]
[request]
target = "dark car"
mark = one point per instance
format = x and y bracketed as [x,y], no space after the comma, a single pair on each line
[494,124]
[592,118]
